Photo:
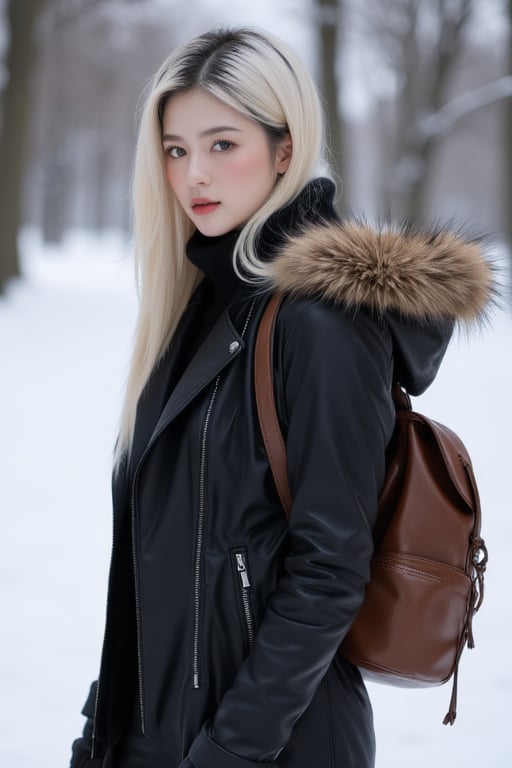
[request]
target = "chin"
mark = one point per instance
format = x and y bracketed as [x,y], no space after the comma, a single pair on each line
[213,229]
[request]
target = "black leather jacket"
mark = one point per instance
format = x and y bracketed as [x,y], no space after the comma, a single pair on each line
[227,642]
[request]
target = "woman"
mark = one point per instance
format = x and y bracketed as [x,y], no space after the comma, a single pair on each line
[223,619]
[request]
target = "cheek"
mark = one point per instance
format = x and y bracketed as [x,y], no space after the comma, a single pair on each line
[172,175]
[254,166]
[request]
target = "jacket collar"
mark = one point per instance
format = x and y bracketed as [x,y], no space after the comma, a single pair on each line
[421,275]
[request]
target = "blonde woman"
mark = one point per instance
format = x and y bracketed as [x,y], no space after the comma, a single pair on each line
[224,619]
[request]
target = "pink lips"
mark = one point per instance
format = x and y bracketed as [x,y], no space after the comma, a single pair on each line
[202,205]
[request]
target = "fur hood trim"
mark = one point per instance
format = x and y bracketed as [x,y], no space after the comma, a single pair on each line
[425,276]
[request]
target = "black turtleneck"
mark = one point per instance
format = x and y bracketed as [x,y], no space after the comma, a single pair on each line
[313,205]
[214,257]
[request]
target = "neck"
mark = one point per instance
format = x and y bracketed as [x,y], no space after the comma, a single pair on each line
[214,257]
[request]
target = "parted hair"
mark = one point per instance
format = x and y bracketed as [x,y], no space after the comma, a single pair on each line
[256,74]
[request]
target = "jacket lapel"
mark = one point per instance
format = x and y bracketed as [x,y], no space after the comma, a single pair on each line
[222,345]
[153,398]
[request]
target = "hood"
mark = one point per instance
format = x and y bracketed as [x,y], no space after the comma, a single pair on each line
[421,283]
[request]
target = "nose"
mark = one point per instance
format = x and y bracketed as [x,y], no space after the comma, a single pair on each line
[198,172]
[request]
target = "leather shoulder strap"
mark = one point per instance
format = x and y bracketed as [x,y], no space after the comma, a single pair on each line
[265,401]
[266,404]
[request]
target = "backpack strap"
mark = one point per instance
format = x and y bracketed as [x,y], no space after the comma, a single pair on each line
[266,404]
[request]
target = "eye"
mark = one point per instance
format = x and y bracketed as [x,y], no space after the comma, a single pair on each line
[222,145]
[174,151]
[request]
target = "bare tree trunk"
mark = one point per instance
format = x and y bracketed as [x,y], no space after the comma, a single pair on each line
[56,195]
[329,12]
[21,16]
[413,172]
[424,68]
[448,50]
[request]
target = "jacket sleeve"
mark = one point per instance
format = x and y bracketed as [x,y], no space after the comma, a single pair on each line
[334,371]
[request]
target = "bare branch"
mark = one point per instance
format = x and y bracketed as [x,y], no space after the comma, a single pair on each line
[442,121]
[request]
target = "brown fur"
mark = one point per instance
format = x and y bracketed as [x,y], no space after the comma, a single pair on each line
[417,274]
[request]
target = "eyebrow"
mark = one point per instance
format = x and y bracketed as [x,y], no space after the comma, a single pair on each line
[203,134]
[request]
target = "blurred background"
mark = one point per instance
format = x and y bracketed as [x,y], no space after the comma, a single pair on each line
[418,95]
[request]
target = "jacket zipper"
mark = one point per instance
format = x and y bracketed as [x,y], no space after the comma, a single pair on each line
[138,622]
[201,521]
[98,684]
[94,720]
[200,537]
[137,610]
[96,700]
[93,737]
[245,585]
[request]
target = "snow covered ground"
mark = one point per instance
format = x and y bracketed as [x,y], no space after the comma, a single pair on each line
[64,339]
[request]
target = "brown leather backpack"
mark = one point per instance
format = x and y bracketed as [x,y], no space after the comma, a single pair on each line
[429,560]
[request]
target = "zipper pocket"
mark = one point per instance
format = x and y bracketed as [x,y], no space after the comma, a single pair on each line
[138,619]
[244,590]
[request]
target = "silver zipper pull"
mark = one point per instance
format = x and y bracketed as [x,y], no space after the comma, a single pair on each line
[242,570]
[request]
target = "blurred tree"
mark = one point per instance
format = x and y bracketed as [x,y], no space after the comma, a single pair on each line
[329,18]
[20,22]
[95,58]
[422,41]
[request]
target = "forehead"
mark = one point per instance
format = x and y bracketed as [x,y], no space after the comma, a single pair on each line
[197,111]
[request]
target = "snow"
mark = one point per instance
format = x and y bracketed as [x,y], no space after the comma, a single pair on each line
[65,333]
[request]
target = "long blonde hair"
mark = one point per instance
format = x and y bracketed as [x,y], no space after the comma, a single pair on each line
[256,74]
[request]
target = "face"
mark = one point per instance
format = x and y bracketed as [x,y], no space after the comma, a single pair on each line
[218,163]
